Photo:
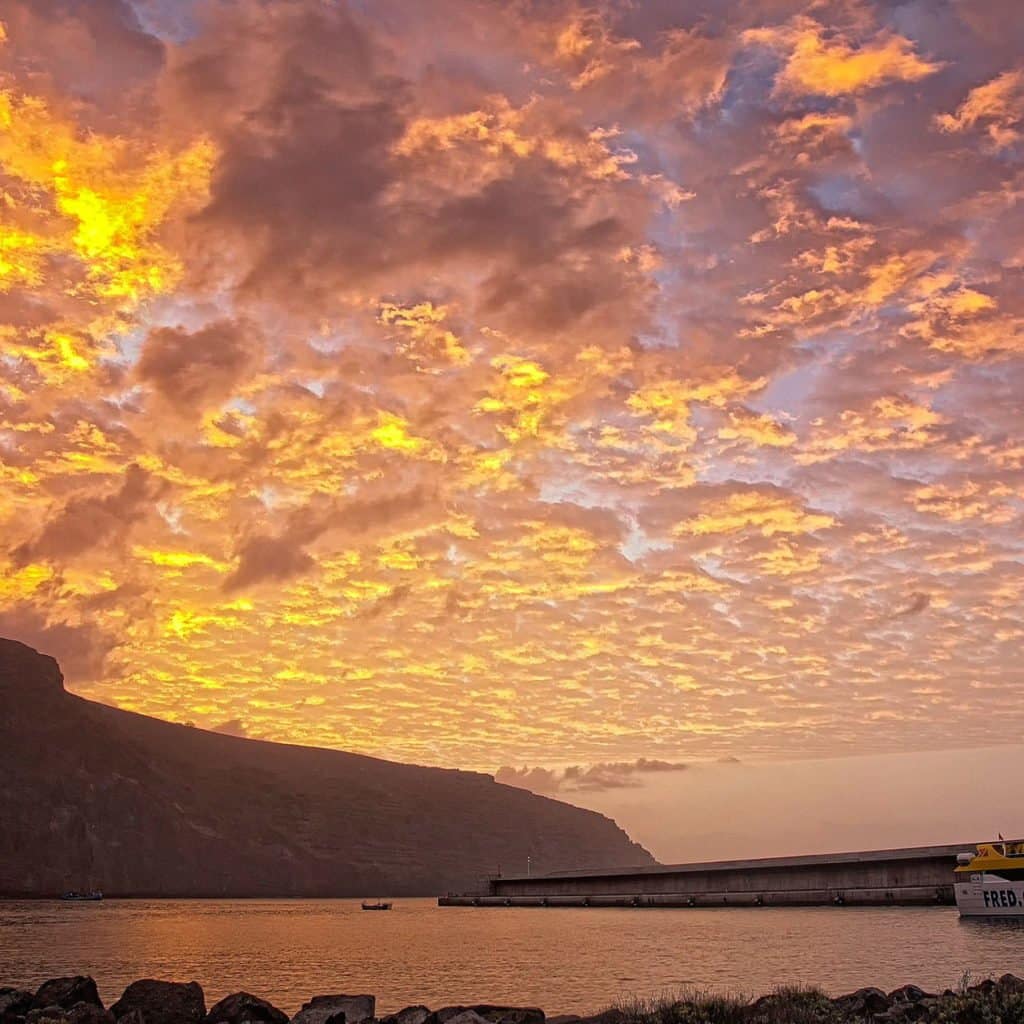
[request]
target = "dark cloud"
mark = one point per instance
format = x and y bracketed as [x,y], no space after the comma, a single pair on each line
[319,193]
[191,370]
[81,649]
[69,45]
[268,558]
[917,604]
[90,522]
[284,556]
[577,778]
[232,727]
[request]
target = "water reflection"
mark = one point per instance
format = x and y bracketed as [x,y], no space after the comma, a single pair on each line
[564,960]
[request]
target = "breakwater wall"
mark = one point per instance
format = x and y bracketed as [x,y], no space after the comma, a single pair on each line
[916,876]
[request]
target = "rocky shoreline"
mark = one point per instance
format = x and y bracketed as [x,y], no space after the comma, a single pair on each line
[76,1000]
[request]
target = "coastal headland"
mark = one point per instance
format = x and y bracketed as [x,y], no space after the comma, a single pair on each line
[76,1000]
[99,798]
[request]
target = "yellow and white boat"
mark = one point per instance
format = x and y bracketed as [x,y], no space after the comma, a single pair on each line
[990,883]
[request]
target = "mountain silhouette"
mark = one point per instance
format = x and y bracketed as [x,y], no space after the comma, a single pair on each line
[95,797]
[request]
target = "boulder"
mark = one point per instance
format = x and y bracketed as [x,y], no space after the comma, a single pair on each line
[985,988]
[47,1015]
[409,1015]
[336,1010]
[1011,982]
[510,1014]
[89,1013]
[162,1002]
[488,1013]
[14,1004]
[66,992]
[445,1014]
[465,1017]
[903,1013]
[612,1016]
[865,1002]
[908,994]
[80,1013]
[243,1007]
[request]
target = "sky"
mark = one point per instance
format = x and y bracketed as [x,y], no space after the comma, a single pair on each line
[528,385]
[737,810]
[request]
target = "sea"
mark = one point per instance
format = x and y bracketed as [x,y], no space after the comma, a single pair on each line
[564,960]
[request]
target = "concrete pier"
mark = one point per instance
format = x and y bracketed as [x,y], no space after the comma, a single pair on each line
[918,876]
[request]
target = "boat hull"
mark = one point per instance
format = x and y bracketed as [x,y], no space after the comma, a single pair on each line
[983,894]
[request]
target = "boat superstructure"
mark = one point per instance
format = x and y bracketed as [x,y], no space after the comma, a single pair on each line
[990,882]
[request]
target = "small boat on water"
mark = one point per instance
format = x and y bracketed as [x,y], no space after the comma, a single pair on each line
[379,905]
[990,882]
[91,897]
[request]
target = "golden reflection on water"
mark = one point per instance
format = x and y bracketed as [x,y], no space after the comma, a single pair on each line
[564,960]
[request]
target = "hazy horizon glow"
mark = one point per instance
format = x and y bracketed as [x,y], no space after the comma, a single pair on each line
[519,384]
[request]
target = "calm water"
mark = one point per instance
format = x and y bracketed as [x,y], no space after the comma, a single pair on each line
[564,960]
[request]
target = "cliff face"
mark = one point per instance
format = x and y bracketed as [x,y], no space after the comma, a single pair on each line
[94,797]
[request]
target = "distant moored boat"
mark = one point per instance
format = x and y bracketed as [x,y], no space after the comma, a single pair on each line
[94,895]
[379,905]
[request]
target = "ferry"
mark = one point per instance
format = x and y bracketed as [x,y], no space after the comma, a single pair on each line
[990,882]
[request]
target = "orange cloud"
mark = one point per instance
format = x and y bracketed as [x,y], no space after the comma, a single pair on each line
[818,64]
[997,106]
[366,387]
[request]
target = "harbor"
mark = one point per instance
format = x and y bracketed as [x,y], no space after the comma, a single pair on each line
[914,876]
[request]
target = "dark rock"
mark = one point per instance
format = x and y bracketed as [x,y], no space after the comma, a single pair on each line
[908,994]
[985,988]
[66,992]
[80,1013]
[47,1015]
[565,1018]
[1011,982]
[491,1014]
[510,1014]
[442,1015]
[865,1002]
[162,1002]
[336,1010]
[408,1015]
[242,1007]
[89,1013]
[445,1014]
[903,1013]
[465,1016]
[611,1016]
[14,1004]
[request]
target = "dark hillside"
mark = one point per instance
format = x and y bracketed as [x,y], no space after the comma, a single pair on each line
[94,797]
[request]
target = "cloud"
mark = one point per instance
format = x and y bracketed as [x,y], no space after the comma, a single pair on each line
[82,649]
[917,604]
[262,558]
[632,375]
[996,105]
[268,558]
[232,727]
[817,65]
[580,778]
[191,370]
[89,522]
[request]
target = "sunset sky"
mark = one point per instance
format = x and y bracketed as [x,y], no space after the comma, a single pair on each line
[517,384]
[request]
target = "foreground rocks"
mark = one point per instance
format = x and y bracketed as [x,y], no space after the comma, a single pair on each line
[76,1000]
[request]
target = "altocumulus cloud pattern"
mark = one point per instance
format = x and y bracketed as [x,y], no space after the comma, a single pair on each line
[455,380]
